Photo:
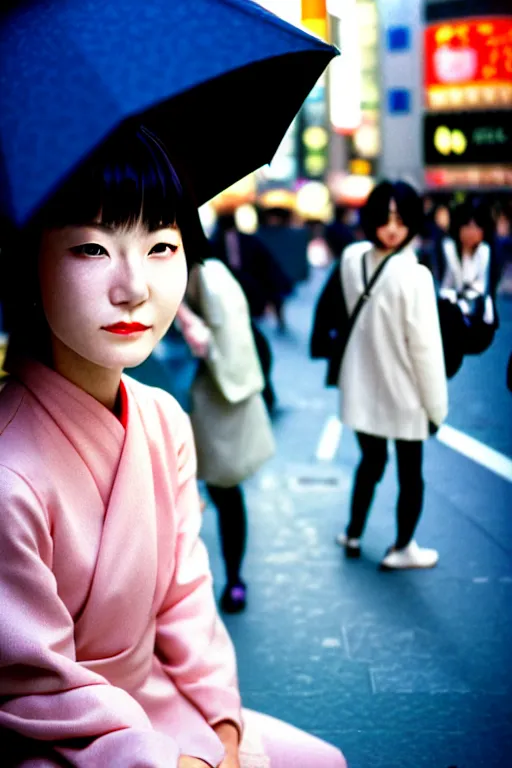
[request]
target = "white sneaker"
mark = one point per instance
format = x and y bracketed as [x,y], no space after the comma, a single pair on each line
[352,546]
[412,556]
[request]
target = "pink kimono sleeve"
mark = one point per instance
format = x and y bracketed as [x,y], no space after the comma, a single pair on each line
[46,696]
[192,642]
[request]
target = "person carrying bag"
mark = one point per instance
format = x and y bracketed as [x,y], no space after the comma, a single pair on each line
[230,421]
[232,429]
[333,325]
[377,324]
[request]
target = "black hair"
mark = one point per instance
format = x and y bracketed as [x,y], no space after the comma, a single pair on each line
[375,213]
[226,221]
[284,215]
[130,178]
[475,210]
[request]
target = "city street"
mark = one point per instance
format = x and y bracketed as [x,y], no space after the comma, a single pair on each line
[208,161]
[398,669]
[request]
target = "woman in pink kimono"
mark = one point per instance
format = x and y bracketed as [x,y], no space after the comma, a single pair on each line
[112,653]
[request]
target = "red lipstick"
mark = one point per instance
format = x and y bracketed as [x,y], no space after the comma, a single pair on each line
[125,329]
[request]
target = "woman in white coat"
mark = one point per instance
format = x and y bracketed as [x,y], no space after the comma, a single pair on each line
[469,277]
[392,379]
[467,256]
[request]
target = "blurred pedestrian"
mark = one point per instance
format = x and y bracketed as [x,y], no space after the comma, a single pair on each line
[436,225]
[287,242]
[338,235]
[262,281]
[231,427]
[392,378]
[470,273]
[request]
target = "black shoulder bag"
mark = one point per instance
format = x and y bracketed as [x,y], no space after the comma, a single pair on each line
[341,334]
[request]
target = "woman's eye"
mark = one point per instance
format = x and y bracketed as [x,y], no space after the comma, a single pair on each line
[89,249]
[163,249]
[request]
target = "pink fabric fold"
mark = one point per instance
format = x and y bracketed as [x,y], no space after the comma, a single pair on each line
[111,648]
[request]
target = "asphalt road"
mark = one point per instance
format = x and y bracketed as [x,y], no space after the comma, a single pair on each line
[397,669]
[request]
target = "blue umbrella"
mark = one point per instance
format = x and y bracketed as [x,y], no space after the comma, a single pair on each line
[219,80]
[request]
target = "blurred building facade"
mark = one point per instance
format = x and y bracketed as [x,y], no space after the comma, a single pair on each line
[467,123]
[422,90]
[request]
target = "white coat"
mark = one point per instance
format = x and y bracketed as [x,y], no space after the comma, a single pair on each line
[392,379]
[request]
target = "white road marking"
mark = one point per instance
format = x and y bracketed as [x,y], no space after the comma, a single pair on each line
[487,457]
[453,438]
[329,439]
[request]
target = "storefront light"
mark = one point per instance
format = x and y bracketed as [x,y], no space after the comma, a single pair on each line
[246,219]
[345,71]
[314,17]
[367,140]
[315,138]
[313,200]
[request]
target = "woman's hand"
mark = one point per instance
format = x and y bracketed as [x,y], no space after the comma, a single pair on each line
[192,762]
[230,761]
[229,736]
[195,331]
[198,337]
[433,428]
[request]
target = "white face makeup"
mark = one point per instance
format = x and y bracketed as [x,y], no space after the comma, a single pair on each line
[109,295]
[394,232]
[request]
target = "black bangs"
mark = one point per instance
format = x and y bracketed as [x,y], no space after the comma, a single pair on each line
[129,180]
[375,213]
[472,210]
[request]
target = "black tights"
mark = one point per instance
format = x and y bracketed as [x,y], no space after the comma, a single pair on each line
[232,517]
[370,472]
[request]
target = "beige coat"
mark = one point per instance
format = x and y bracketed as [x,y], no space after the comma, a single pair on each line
[392,379]
[232,429]
[233,360]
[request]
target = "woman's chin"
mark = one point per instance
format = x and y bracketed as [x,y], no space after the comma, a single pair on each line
[127,359]
[137,361]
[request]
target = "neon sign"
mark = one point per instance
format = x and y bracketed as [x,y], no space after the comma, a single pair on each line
[474,137]
[468,64]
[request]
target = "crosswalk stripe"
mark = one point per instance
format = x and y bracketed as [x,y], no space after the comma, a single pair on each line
[479,452]
[329,439]
[453,438]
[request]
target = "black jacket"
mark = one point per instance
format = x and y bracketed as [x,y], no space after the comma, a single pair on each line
[259,274]
[329,321]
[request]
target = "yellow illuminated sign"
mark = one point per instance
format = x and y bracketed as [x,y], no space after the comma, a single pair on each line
[447,141]
[314,16]
[315,138]
[360,167]
[315,165]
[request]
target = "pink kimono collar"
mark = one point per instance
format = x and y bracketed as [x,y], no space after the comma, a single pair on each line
[91,428]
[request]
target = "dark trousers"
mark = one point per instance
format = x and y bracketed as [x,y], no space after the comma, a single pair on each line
[232,518]
[369,473]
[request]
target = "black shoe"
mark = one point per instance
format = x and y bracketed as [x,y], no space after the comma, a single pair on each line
[234,598]
[352,546]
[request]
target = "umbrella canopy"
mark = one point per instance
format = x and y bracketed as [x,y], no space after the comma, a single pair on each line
[218,80]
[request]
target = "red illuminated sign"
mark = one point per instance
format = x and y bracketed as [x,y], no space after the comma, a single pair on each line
[469,177]
[468,64]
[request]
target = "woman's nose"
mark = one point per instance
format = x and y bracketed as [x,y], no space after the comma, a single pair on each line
[130,283]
